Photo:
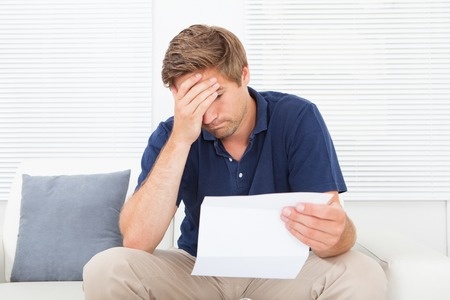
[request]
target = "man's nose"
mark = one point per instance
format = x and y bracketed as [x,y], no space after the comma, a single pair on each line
[209,116]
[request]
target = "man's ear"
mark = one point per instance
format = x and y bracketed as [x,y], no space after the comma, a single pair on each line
[245,76]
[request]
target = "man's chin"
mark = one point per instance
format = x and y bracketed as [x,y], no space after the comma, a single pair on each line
[219,133]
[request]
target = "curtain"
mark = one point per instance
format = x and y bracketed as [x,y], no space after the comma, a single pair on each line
[379,71]
[75,80]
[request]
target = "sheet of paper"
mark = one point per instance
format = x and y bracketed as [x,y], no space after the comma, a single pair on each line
[243,236]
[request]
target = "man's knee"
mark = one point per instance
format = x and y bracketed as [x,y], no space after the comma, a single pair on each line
[359,264]
[364,274]
[101,263]
[101,271]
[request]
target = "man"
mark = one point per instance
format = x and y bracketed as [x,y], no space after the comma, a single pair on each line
[227,139]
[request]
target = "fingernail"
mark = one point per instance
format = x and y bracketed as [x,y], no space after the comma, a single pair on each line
[213,79]
[300,207]
[198,75]
[286,212]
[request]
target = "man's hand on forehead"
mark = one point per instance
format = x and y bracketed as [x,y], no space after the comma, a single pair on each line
[193,95]
[195,86]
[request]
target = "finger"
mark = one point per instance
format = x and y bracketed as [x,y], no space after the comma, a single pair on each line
[313,238]
[184,87]
[335,198]
[202,105]
[313,241]
[192,88]
[201,102]
[296,220]
[202,90]
[303,222]
[321,211]
[327,232]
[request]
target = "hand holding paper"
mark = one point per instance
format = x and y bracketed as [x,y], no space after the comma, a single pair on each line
[322,227]
[243,236]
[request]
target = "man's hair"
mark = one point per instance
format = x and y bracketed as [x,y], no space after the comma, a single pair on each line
[199,47]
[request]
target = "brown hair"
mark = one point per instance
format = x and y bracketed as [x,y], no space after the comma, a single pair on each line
[199,47]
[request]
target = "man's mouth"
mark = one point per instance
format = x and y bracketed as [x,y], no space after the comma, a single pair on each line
[214,126]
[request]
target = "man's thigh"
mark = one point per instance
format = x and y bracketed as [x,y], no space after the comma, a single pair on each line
[122,273]
[348,276]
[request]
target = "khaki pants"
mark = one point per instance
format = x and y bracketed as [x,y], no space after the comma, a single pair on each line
[121,273]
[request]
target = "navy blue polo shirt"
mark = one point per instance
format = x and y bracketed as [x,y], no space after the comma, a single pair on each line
[290,150]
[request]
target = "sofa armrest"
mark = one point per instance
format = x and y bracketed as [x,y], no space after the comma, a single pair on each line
[414,271]
[2,259]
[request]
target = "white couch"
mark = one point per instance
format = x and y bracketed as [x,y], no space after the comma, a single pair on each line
[415,272]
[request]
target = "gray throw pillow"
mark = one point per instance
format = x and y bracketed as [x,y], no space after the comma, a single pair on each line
[64,221]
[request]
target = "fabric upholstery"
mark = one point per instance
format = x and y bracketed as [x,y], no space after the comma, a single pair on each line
[64,221]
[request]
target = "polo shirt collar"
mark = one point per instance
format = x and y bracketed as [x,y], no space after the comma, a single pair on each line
[261,116]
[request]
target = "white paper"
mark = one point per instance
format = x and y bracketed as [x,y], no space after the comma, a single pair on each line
[244,236]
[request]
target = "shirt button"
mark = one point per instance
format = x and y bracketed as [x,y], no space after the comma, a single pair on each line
[240,175]
[230,159]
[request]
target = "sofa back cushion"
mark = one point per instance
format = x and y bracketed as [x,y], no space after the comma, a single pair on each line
[54,167]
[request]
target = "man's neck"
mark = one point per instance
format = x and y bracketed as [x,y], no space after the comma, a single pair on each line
[237,143]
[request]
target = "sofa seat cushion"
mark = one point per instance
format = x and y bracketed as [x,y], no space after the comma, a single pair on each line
[67,290]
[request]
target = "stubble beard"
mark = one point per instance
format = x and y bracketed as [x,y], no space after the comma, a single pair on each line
[224,131]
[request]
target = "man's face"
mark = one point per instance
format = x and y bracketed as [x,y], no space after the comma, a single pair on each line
[225,115]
